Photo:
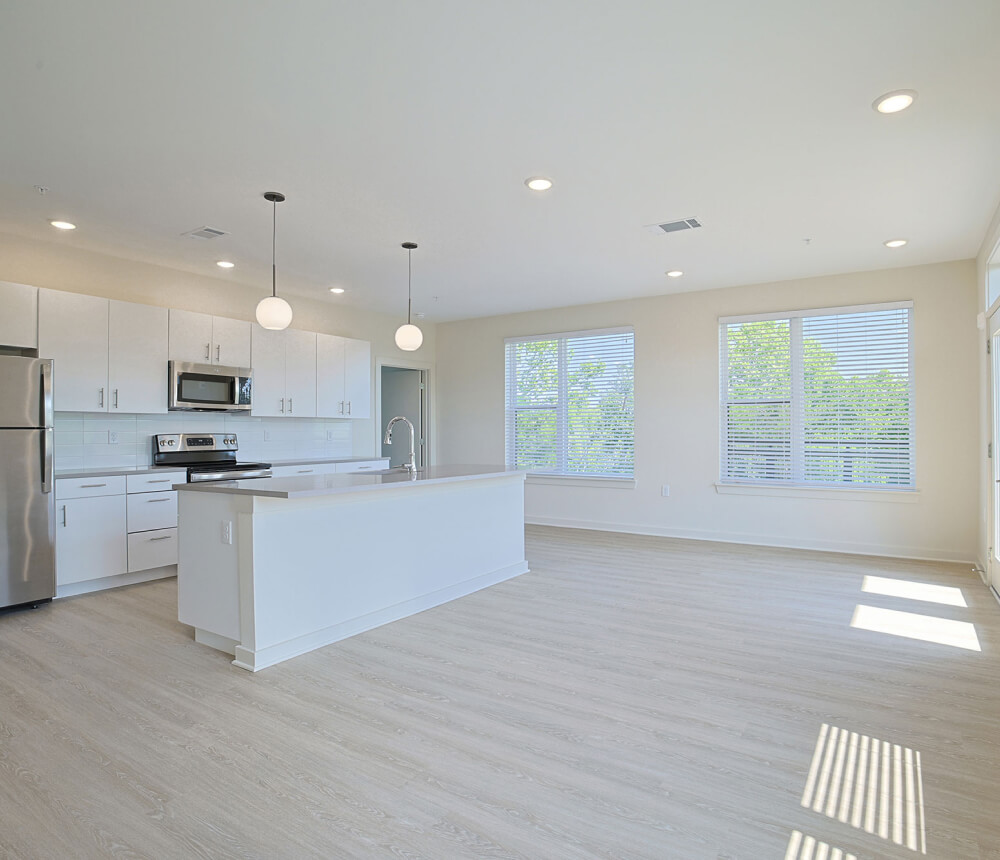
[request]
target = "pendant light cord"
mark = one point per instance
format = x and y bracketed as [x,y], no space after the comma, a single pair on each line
[409,283]
[274,234]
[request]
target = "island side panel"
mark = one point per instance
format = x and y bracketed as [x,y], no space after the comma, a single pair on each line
[329,563]
[208,567]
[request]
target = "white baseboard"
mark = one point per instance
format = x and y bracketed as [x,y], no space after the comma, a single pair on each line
[88,586]
[886,550]
[261,658]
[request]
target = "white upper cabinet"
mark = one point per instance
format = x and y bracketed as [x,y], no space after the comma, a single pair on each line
[268,363]
[300,373]
[343,377]
[137,358]
[73,332]
[19,319]
[107,356]
[204,339]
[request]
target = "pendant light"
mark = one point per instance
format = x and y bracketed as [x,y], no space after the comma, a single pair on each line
[409,337]
[274,312]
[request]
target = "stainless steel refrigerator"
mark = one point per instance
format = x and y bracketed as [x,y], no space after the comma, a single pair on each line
[27,505]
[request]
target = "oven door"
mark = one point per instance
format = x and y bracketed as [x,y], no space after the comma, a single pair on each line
[209,387]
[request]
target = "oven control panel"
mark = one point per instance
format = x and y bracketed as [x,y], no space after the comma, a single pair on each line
[168,442]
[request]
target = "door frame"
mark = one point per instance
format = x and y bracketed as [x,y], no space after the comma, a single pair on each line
[993,495]
[430,451]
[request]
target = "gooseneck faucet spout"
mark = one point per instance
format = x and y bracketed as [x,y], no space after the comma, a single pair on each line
[410,466]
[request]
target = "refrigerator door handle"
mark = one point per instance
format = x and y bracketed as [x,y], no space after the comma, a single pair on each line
[46,399]
[47,450]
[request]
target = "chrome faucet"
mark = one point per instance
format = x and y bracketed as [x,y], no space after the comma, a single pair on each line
[411,466]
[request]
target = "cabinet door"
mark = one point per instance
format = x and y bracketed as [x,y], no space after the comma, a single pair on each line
[330,377]
[300,373]
[19,321]
[73,332]
[91,540]
[231,342]
[358,377]
[137,358]
[268,363]
[190,337]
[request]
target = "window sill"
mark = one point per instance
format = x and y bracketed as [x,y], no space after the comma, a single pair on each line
[581,481]
[843,494]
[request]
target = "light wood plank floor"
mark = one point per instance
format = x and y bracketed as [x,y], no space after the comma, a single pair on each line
[631,697]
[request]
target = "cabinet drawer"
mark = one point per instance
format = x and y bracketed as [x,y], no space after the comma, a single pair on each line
[152,549]
[303,469]
[153,482]
[363,466]
[99,485]
[147,511]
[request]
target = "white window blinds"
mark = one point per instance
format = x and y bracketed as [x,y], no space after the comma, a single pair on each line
[569,403]
[818,397]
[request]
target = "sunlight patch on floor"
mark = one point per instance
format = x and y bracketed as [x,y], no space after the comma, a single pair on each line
[914,590]
[912,625]
[870,784]
[802,847]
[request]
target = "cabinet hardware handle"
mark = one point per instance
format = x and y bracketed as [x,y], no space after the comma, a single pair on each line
[282,405]
[116,398]
[208,352]
[289,405]
[150,501]
[64,516]
[163,537]
[305,471]
[348,407]
[218,350]
[90,486]
[159,481]
[341,407]
[101,403]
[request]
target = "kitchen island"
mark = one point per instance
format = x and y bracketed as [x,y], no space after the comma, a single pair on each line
[271,568]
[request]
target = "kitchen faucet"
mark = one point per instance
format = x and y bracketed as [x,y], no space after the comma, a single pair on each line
[411,466]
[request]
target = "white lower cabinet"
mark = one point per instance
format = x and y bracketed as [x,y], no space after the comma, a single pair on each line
[151,549]
[152,520]
[90,529]
[363,465]
[307,469]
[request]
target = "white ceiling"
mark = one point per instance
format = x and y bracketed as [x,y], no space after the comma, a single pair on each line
[420,120]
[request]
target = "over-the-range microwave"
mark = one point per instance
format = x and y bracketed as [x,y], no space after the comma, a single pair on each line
[209,387]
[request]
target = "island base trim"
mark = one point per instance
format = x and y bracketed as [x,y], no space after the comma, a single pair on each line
[255,660]
[214,640]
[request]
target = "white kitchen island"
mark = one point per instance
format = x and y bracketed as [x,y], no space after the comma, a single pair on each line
[271,568]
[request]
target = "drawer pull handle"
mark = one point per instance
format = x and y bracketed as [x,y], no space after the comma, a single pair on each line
[89,486]
[164,537]
[305,471]
[159,481]
[150,501]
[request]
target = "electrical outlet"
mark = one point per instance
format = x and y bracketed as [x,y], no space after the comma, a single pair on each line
[227,531]
[329,435]
[112,437]
[665,490]
[267,435]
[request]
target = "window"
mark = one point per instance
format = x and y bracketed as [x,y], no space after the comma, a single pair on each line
[819,397]
[570,403]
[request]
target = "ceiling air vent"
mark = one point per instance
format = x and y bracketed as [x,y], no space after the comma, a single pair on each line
[205,233]
[674,226]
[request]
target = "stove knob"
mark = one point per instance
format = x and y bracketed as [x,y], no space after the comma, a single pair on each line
[170,442]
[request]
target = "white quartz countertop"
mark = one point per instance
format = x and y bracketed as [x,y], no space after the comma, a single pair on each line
[352,482]
[148,470]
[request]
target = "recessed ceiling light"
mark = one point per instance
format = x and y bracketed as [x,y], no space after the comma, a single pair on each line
[895,243]
[225,264]
[63,225]
[538,183]
[674,273]
[337,290]
[895,101]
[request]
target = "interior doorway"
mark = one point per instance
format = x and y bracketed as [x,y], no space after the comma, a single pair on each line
[403,391]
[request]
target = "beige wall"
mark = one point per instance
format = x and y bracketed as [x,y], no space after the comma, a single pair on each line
[62,267]
[677,417]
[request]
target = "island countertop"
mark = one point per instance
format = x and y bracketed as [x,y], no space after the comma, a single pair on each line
[351,482]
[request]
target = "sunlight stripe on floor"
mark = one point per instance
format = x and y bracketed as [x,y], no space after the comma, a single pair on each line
[926,591]
[912,625]
[802,847]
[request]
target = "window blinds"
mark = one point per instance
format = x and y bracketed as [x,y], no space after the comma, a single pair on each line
[569,403]
[818,397]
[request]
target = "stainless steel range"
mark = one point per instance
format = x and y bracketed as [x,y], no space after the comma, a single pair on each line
[207,456]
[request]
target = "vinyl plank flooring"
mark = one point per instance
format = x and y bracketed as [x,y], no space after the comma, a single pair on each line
[631,697]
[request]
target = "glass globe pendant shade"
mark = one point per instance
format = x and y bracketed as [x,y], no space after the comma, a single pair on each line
[274,313]
[409,337]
